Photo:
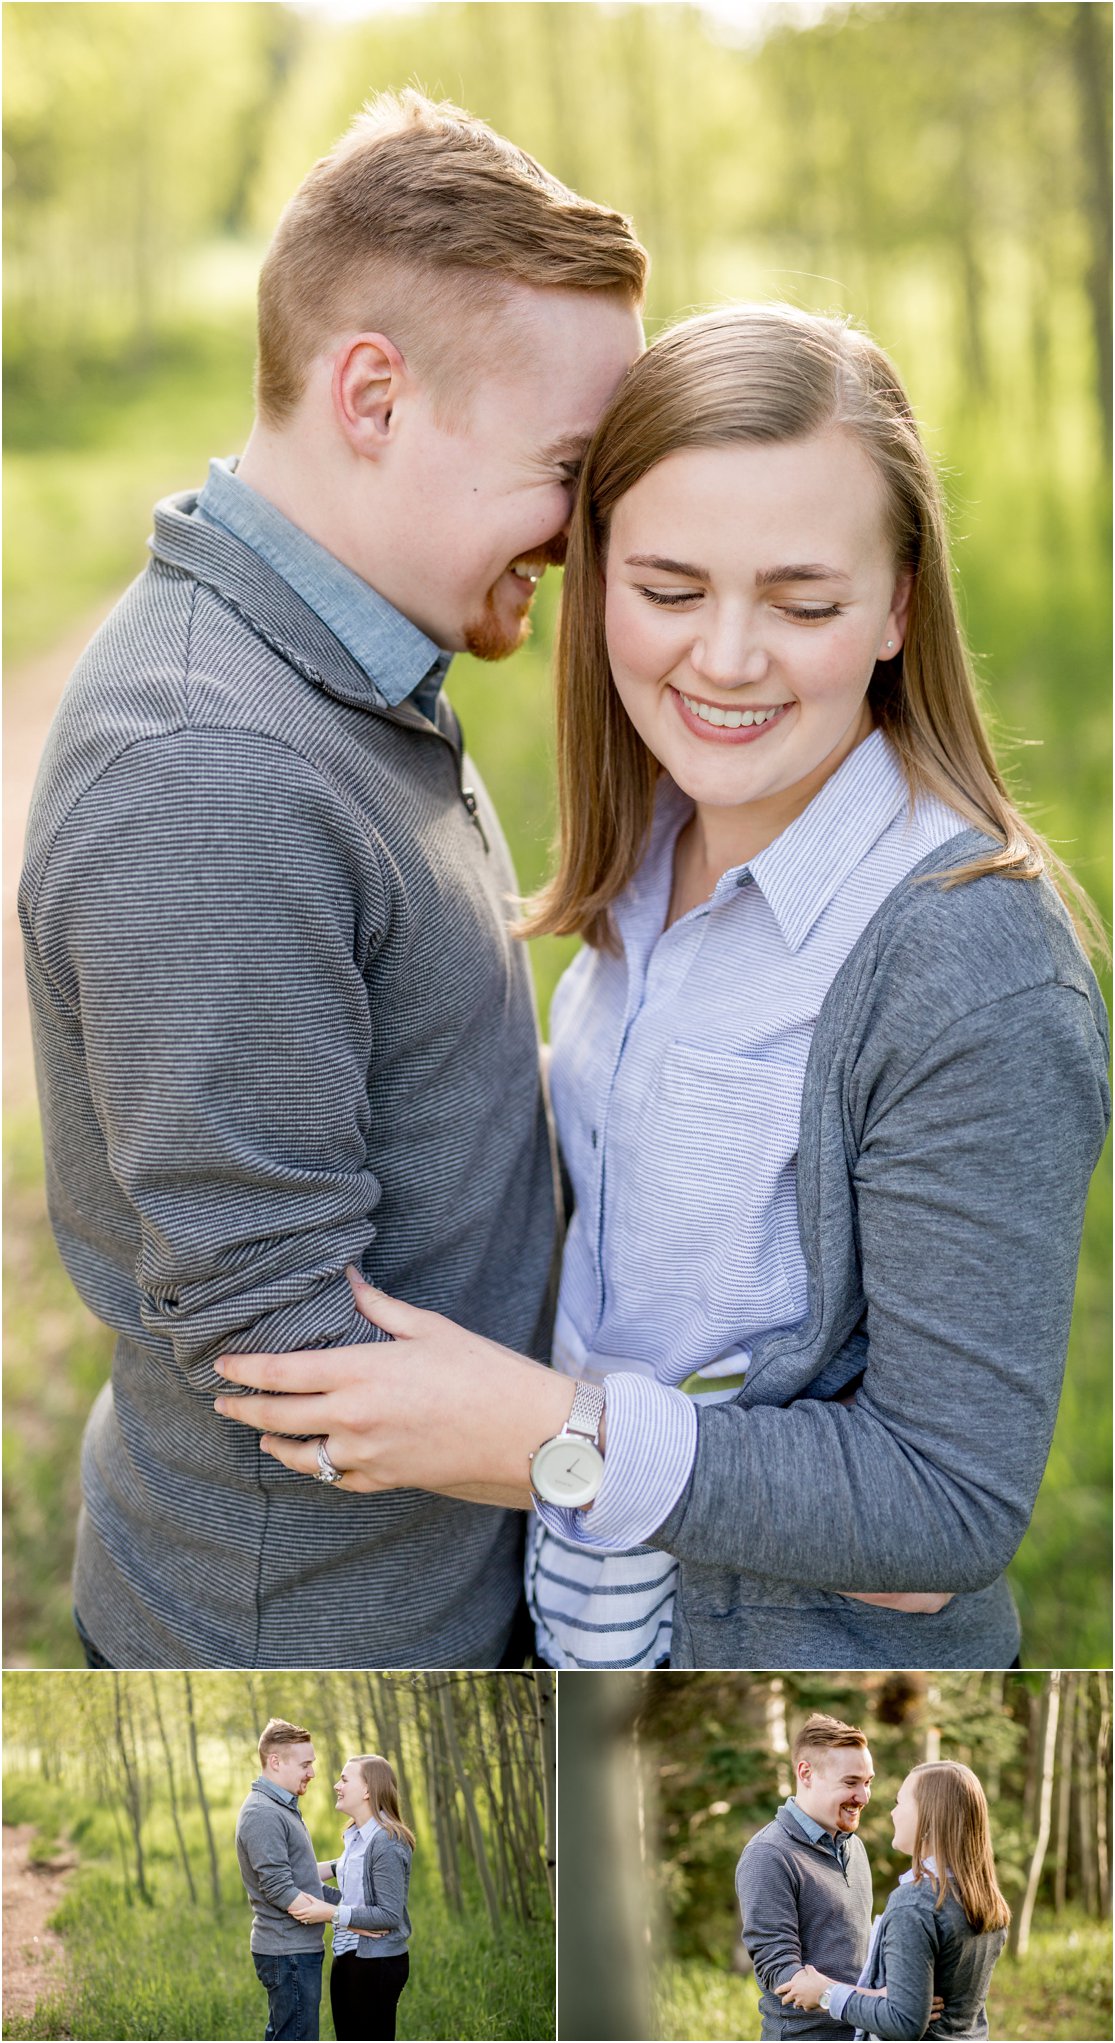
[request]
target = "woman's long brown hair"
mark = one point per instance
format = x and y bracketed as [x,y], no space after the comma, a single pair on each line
[383,1791]
[954,1831]
[748,374]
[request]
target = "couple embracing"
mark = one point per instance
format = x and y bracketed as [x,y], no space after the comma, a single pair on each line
[362,1893]
[804,1888]
[828,1073]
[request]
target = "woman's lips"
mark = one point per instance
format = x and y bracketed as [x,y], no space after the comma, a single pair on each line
[735,731]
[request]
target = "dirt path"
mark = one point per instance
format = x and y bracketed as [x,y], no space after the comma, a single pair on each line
[31,691]
[34,1959]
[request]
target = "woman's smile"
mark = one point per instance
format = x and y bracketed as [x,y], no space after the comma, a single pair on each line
[723,723]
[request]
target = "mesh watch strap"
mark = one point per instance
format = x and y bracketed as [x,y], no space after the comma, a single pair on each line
[586,1411]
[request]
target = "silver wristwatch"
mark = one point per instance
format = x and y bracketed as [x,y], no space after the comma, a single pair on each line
[569,1469]
[825,1999]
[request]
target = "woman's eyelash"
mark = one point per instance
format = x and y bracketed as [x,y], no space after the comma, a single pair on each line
[670,600]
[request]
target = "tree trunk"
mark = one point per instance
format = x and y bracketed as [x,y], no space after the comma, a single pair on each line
[182,1852]
[476,1835]
[545,1701]
[1048,1747]
[1103,1739]
[602,1904]
[214,1869]
[1085,1808]
[1064,1797]
[1091,64]
[133,1801]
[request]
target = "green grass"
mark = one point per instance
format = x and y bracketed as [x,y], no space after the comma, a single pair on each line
[176,1969]
[1061,1989]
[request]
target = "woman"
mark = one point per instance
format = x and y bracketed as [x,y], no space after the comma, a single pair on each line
[944,1925]
[828,1074]
[368,1904]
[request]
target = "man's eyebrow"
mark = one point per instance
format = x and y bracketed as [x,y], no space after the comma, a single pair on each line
[567,447]
[798,571]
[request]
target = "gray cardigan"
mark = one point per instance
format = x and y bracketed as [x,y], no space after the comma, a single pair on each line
[277,1863]
[922,1950]
[280,1026]
[955,1104]
[386,1887]
[799,1907]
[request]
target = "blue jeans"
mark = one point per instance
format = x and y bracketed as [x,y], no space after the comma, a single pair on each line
[293,1982]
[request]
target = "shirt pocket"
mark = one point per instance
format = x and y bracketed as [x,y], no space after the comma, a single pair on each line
[709,1202]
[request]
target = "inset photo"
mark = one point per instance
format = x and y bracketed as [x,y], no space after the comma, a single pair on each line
[890,1855]
[335,1855]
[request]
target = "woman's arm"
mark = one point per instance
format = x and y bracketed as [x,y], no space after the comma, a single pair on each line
[389,1881]
[909,1956]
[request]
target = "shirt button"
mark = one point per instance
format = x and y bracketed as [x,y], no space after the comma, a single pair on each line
[594,1138]
[743,879]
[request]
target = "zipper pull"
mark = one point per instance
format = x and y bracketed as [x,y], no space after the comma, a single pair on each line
[473,807]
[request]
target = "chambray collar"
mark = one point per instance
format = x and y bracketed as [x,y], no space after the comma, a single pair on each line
[263,1786]
[804,868]
[391,649]
[814,1831]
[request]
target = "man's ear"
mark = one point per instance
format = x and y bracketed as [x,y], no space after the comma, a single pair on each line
[369,375]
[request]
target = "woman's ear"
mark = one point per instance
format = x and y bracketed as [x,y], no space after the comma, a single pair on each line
[369,375]
[894,631]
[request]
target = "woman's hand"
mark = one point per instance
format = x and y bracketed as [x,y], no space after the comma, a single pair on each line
[919,1602]
[325,1869]
[434,1408]
[804,1990]
[307,1909]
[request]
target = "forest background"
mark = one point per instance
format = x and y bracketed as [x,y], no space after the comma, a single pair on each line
[123,1790]
[940,171]
[684,1769]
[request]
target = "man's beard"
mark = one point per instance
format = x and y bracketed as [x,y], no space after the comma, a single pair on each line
[488,638]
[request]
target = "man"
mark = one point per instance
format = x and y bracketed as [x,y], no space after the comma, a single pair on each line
[280,1024]
[804,1884]
[279,1871]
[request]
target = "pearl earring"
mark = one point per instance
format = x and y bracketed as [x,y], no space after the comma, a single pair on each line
[890,642]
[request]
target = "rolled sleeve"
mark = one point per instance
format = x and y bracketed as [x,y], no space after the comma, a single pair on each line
[838,2000]
[651,1439]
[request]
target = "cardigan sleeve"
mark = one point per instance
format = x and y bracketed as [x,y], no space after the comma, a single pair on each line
[769,1908]
[385,1874]
[909,1956]
[969,1193]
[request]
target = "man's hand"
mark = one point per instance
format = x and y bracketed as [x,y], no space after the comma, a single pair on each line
[368,1933]
[804,1990]
[919,1602]
[434,1408]
[306,1908]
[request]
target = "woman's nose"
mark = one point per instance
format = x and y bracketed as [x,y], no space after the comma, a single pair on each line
[730,652]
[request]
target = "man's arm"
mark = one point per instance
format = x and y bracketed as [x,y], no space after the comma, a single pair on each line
[263,1844]
[768,1904]
[207,911]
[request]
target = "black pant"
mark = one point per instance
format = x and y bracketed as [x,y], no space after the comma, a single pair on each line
[364,1994]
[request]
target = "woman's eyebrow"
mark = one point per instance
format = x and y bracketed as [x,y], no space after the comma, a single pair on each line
[668,567]
[798,571]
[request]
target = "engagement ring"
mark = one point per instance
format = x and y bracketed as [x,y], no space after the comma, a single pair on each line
[328,1472]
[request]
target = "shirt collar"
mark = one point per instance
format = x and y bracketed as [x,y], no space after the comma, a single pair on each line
[805,867]
[814,1831]
[386,644]
[927,1866]
[265,1787]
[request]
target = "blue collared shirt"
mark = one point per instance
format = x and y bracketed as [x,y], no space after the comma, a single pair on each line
[816,1832]
[677,1076]
[350,1883]
[402,661]
[277,1794]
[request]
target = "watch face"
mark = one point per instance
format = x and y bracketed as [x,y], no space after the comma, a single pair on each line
[566,1471]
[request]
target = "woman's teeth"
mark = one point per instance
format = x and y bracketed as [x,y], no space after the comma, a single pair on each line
[527,574]
[731,719]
